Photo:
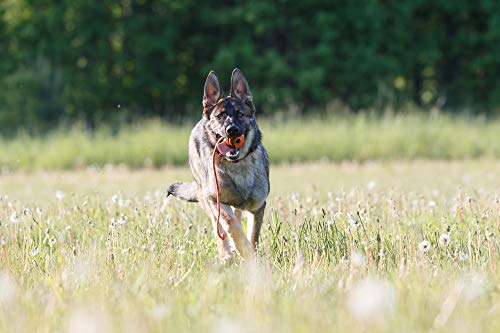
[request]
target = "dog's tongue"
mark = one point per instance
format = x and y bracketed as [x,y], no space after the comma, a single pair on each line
[223,148]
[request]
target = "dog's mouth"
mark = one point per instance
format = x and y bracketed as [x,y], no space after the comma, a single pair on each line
[227,151]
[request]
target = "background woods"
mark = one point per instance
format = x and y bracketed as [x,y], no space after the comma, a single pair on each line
[97,60]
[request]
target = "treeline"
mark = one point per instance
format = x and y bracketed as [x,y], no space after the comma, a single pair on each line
[97,60]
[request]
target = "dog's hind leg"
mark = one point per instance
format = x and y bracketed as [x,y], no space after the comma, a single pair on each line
[254,223]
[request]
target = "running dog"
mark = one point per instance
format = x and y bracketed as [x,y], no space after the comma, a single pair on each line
[242,172]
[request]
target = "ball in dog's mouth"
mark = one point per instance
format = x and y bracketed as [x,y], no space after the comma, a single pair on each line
[227,151]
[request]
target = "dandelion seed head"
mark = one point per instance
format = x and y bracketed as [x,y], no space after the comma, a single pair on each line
[14,218]
[358,259]
[474,284]
[444,240]
[160,311]
[34,251]
[121,220]
[88,321]
[8,288]
[60,195]
[424,246]
[371,299]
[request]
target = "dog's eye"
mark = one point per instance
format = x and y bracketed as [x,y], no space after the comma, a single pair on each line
[219,115]
[240,114]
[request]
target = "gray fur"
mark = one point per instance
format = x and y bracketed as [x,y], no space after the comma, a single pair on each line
[243,185]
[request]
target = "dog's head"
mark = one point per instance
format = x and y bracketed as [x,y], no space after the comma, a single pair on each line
[230,116]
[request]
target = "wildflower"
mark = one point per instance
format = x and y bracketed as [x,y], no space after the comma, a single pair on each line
[474,284]
[352,220]
[39,211]
[34,251]
[424,246]
[123,203]
[444,240]
[14,218]
[371,185]
[463,256]
[122,220]
[358,259]
[371,299]
[60,195]
[8,288]
[160,311]
[26,211]
[432,203]
[52,241]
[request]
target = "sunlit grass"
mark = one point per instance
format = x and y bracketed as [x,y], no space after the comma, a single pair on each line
[345,247]
[336,138]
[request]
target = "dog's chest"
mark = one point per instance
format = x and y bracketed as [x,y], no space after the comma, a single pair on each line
[245,184]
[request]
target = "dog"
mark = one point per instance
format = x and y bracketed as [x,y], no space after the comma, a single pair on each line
[242,173]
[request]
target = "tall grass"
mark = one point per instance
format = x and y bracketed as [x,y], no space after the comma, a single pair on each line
[359,254]
[340,137]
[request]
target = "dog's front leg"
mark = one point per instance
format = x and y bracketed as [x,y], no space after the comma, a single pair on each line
[254,223]
[223,247]
[235,230]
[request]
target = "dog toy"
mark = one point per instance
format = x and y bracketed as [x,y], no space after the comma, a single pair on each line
[236,142]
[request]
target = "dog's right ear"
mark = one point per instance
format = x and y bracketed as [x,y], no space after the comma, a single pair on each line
[211,92]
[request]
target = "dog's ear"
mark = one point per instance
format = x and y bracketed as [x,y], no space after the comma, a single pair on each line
[212,91]
[240,89]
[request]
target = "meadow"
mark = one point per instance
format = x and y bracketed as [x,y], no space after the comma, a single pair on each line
[333,137]
[395,246]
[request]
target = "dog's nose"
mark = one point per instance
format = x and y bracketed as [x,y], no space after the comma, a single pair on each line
[232,131]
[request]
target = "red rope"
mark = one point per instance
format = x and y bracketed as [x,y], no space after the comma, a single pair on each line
[221,235]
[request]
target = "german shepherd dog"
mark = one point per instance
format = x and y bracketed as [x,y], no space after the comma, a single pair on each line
[242,173]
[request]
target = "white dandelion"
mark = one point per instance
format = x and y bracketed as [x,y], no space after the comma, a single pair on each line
[352,221]
[8,288]
[371,185]
[121,220]
[14,218]
[358,259]
[424,246]
[444,240]
[52,241]
[60,195]
[34,251]
[371,299]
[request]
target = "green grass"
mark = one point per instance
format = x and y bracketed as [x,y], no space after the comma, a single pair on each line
[336,138]
[73,265]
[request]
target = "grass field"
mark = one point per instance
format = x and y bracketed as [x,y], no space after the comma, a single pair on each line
[336,137]
[373,247]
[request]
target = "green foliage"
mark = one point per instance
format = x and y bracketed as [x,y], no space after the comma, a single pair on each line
[101,60]
[359,137]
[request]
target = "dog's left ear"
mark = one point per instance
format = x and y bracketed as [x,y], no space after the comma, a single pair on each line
[240,89]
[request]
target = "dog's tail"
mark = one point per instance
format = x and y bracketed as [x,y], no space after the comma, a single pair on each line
[184,191]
